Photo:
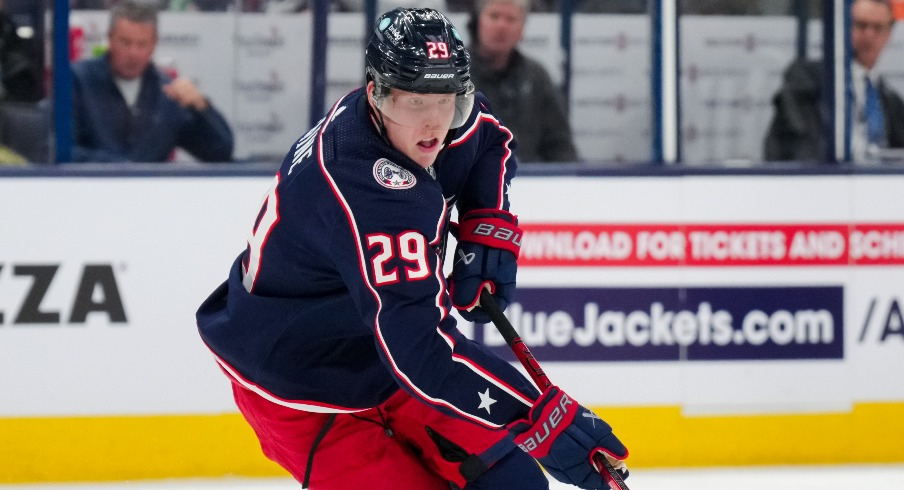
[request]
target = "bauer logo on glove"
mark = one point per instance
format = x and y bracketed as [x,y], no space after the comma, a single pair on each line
[565,438]
[537,440]
[489,241]
[493,234]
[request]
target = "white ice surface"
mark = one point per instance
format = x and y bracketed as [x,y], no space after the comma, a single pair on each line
[860,477]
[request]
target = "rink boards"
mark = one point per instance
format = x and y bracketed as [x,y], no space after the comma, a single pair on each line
[713,320]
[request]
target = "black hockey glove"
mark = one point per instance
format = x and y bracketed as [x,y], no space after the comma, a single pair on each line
[486,255]
[564,437]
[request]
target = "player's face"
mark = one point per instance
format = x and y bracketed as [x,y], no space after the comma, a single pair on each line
[131,47]
[871,24]
[416,124]
[500,28]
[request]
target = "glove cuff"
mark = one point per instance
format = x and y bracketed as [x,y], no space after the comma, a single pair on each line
[493,228]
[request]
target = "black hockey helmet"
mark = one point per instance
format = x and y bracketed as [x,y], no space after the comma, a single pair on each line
[419,51]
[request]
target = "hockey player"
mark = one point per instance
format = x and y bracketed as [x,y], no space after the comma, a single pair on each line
[334,325]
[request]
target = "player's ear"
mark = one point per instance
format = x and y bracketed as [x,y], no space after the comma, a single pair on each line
[371,99]
[371,86]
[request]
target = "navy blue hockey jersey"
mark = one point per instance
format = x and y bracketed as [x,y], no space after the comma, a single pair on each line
[339,299]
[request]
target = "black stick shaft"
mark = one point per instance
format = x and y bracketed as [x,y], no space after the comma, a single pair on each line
[612,477]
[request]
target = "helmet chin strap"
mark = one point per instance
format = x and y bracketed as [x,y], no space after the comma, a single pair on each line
[448,139]
[377,118]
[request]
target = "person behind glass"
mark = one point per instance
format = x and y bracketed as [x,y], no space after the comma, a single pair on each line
[19,70]
[128,110]
[518,87]
[877,113]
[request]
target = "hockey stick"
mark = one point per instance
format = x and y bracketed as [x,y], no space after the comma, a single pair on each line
[612,477]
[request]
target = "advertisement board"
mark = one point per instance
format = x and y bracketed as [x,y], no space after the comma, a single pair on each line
[679,308]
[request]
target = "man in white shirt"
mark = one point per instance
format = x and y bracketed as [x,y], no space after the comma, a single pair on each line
[871,23]
[127,109]
[877,113]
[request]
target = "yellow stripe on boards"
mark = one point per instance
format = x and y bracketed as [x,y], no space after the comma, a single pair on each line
[663,437]
[148,447]
[127,448]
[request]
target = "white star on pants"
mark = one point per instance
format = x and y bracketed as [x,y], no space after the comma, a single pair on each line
[485,400]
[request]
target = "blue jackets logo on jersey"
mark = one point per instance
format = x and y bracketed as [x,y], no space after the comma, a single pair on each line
[392,176]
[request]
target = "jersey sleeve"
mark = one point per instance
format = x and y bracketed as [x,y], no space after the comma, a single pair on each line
[491,146]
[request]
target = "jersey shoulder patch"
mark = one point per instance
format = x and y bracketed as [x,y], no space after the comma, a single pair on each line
[392,176]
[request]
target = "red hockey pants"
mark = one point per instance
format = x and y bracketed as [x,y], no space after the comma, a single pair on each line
[386,447]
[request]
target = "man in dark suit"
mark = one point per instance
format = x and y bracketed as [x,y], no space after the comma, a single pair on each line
[877,113]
